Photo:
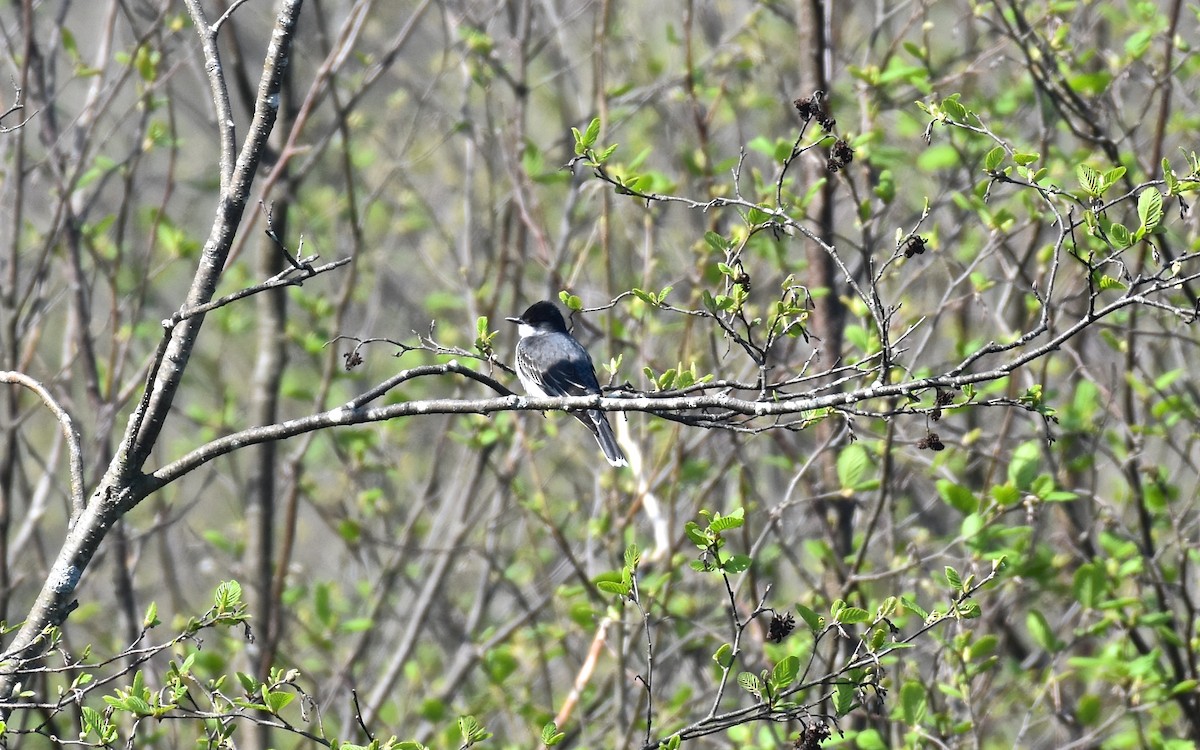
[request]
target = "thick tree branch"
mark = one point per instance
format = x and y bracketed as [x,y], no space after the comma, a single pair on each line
[115,495]
[152,413]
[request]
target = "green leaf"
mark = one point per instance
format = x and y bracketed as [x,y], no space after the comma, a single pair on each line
[1170,178]
[666,381]
[604,155]
[131,704]
[878,636]
[843,698]
[951,106]
[885,186]
[785,673]
[953,578]
[1087,711]
[593,132]
[696,535]
[472,731]
[1023,467]
[852,464]
[1089,585]
[644,296]
[146,61]
[736,564]
[969,610]
[1089,180]
[910,604]
[613,587]
[640,183]
[938,156]
[1121,236]
[994,158]
[613,582]
[249,684]
[1138,42]
[1026,158]
[851,615]
[750,683]
[724,656]
[815,622]
[92,722]
[957,496]
[632,556]
[1168,378]
[69,44]
[1186,686]
[717,242]
[1040,631]
[151,618]
[228,596]
[912,702]
[551,736]
[500,664]
[725,523]
[1149,211]
[1006,494]
[758,216]
[276,700]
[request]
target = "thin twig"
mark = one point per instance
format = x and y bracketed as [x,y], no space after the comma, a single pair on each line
[69,433]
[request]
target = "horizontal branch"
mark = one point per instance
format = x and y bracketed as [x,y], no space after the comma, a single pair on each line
[349,415]
[355,413]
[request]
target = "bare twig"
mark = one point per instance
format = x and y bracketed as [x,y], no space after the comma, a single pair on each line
[70,434]
[15,107]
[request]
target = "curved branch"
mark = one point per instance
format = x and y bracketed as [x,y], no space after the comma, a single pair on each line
[418,372]
[68,430]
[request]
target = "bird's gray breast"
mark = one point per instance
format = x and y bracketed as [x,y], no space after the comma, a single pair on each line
[555,364]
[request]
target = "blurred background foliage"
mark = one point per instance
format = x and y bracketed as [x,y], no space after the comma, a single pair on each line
[444,565]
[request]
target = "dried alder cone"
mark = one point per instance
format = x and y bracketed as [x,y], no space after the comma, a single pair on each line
[810,109]
[914,245]
[840,155]
[781,626]
[812,737]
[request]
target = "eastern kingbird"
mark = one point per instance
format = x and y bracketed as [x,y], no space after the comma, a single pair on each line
[550,362]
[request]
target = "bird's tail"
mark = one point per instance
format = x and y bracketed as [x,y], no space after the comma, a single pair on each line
[605,437]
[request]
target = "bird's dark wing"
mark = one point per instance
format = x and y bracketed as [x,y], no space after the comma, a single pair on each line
[572,372]
[555,364]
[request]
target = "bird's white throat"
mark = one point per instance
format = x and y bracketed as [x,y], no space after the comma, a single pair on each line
[524,329]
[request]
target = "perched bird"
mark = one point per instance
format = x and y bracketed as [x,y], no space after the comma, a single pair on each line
[550,362]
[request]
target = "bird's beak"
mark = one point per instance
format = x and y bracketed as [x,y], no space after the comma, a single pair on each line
[518,321]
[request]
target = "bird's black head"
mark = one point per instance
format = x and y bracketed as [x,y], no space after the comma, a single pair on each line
[542,316]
